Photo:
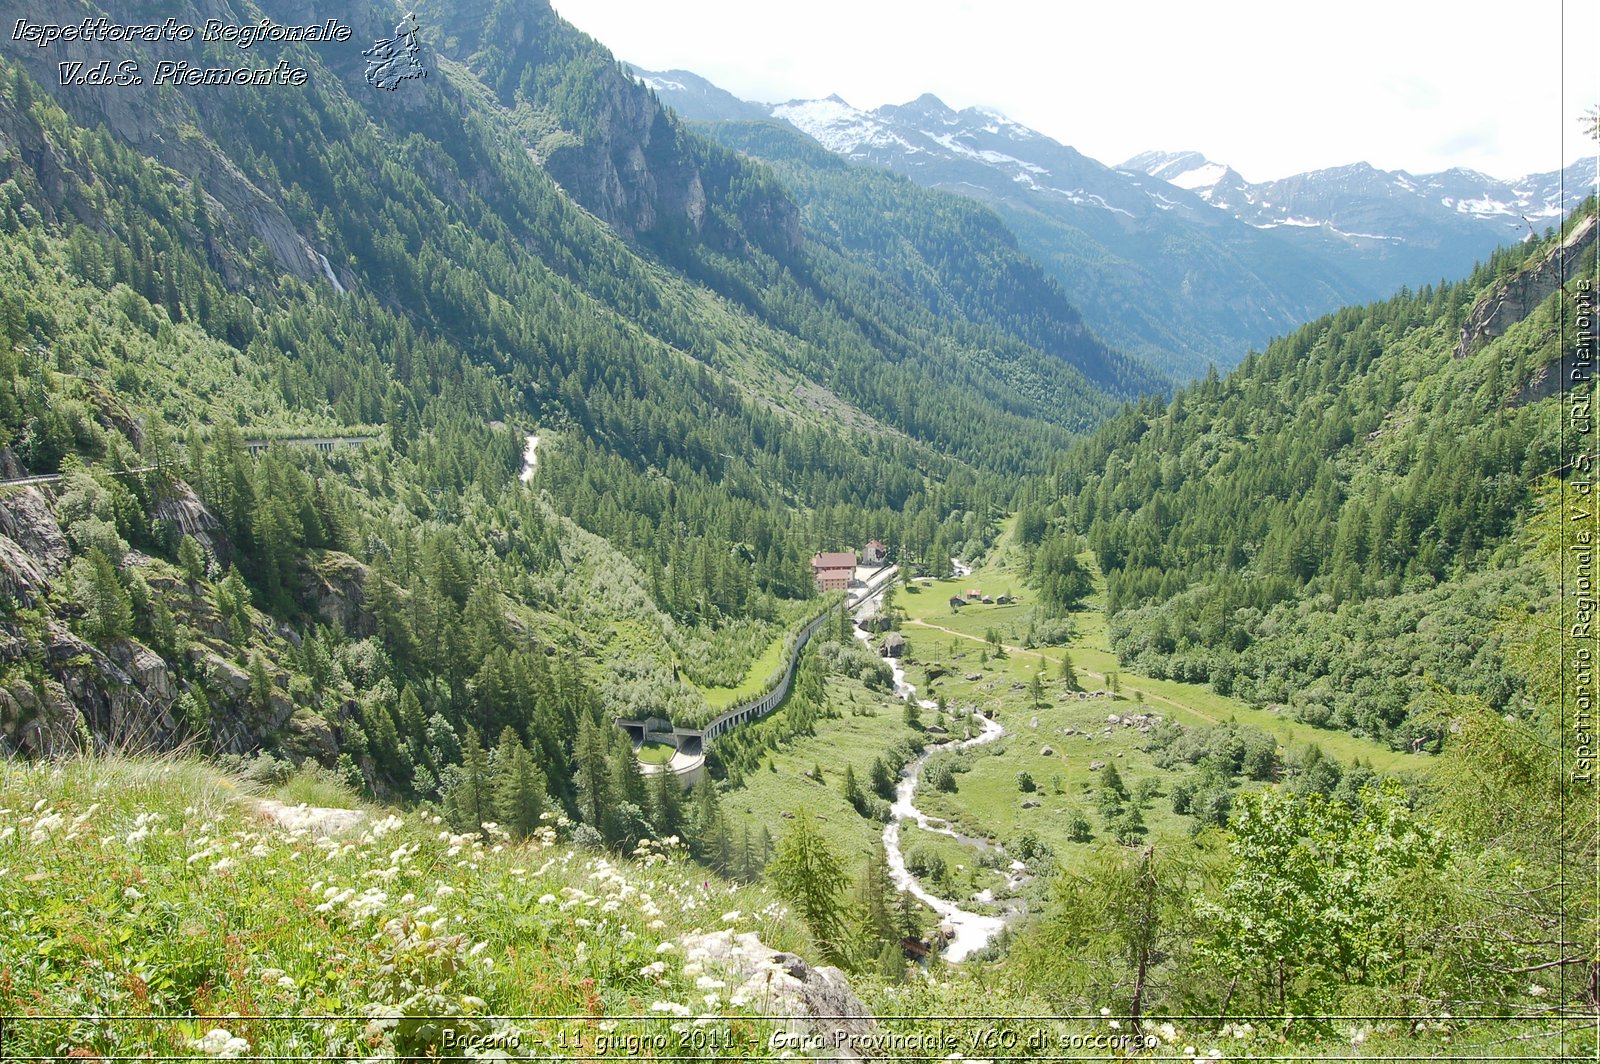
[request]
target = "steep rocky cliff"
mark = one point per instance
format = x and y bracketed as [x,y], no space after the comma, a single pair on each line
[606,138]
[1514,298]
[62,693]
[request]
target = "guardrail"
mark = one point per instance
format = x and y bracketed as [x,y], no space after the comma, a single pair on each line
[763,705]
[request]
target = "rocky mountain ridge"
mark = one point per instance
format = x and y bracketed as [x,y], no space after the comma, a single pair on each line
[1394,204]
[1197,265]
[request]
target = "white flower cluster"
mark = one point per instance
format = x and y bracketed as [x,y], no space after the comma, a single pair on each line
[219,1043]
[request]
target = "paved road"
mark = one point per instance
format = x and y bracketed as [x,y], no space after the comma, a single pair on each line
[51,478]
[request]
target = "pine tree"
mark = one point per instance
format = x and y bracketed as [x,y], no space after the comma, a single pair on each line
[468,801]
[260,685]
[1111,782]
[519,787]
[1066,671]
[594,776]
[625,775]
[192,559]
[706,824]
[748,869]
[875,898]
[666,804]
[808,875]
[882,779]
[852,790]
[106,601]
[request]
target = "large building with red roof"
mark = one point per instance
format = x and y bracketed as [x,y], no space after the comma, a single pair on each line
[833,570]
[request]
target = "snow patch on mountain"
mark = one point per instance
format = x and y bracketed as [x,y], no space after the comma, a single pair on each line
[1200,177]
[950,142]
[837,126]
[662,85]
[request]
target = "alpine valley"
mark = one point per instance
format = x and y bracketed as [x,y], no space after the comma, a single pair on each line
[506,555]
[1198,265]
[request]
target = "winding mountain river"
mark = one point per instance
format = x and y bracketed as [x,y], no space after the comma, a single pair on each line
[968,931]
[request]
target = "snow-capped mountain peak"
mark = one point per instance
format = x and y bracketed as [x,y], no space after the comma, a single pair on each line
[837,126]
[1359,202]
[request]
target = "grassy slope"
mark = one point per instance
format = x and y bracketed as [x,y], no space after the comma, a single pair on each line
[148,888]
[868,725]
[312,947]
[988,802]
[755,679]
[932,619]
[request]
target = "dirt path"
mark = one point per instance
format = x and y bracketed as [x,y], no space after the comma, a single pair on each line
[1076,668]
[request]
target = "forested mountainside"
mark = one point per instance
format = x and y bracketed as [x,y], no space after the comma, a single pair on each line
[716,389]
[1176,259]
[954,256]
[1331,528]
[389,447]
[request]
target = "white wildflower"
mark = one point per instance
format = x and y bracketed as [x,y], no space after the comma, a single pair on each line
[219,1043]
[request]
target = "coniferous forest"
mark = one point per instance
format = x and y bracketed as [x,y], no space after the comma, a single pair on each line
[366,457]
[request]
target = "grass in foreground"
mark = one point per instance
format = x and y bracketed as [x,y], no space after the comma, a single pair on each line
[153,895]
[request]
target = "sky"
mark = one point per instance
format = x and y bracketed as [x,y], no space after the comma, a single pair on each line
[1270,88]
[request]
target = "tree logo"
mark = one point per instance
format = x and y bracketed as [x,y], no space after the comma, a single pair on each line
[396,59]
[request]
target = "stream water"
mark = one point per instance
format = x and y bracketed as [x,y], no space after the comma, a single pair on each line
[529,458]
[967,931]
[327,271]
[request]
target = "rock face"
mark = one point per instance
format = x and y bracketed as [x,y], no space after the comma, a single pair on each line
[620,153]
[824,1012]
[637,172]
[26,520]
[36,722]
[22,578]
[119,711]
[1516,297]
[76,695]
[183,510]
[336,583]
